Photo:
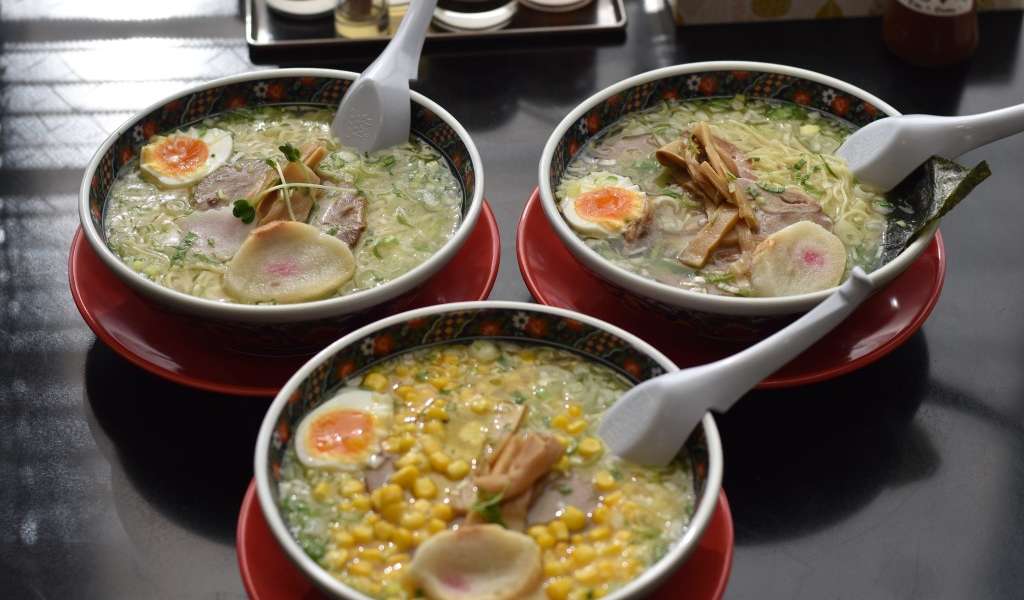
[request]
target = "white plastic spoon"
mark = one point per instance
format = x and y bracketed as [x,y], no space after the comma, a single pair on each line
[884,152]
[651,421]
[375,111]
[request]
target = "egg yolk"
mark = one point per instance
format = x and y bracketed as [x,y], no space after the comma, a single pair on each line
[341,432]
[606,203]
[182,154]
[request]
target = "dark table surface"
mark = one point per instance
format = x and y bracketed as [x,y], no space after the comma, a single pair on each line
[903,480]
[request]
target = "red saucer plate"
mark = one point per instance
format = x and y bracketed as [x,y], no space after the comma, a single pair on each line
[269,575]
[174,348]
[878,327]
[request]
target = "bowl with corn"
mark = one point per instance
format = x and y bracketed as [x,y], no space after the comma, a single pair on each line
[398,403]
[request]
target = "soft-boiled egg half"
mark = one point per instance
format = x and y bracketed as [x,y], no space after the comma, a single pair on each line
[603,204]
[345,432]
[183,158]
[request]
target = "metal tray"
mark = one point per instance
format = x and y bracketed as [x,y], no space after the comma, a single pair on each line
[274,39]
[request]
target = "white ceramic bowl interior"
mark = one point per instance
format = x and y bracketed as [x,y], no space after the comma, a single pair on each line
[295,86]
[307,387]
[666,83]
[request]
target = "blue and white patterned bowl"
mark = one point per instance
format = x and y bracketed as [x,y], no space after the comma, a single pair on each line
[282,328]
[355,354]
[714,316]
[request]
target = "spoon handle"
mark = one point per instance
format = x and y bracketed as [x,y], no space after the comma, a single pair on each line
[742,371]
[402,54]
[963,134]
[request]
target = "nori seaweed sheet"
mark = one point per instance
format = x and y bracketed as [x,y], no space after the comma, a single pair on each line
[926,195]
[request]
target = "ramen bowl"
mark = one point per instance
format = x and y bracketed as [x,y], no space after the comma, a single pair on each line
[276,328]
[360,360]
[720,316]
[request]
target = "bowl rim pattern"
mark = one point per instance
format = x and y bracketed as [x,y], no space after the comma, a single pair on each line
[677,297]
[703,509]
[284,313]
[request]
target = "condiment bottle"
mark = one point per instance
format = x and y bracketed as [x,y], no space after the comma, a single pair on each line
[931,33]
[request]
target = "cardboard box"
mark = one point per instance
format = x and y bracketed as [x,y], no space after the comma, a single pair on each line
[694,12]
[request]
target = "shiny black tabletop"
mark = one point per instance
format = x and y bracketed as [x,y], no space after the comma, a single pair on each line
[902,480]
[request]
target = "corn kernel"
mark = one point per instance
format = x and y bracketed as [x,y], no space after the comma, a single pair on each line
[406,442]
[392,444]
[560,421]
[424,487]
[422,505]
[599,533]
[403,370]
[558,589]
[559,530]
[436,412]
[361,502]
[439,461]
[576,538]
[613,498]
[430,444]
[405,476]
[481,406]
[574,410]
[336,559]
[563,464]
[375,382]
[372,554]
[362,533]
[405,392]
[352,487]
[554,568]
[612,549]
[387,494]
[588,575]
[574,518]
[440,383]
[321,491]
[392,513]
[371,518]
[583,555]
[343,539]
[413,458]
[623,536]
[601,514]
[436,525]
[435,427]
[383,529]
[604,481]
[576,427]
[442,511]
[544,539]
[458,469]
[360,569]
[402,539]
[396,559]
[589,447]
[536,530]
[413,520]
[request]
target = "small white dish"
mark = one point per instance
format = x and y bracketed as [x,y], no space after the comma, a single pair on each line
[305,9]
[489,20]
[555,6]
